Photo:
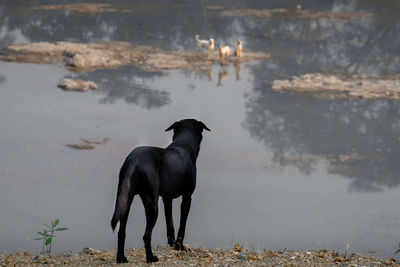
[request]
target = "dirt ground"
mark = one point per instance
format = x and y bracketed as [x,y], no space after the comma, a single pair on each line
[237,256]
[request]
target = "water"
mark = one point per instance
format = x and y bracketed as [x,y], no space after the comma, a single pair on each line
[269,172]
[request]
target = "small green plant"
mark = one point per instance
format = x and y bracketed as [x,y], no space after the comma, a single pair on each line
[398,251]
[47,236]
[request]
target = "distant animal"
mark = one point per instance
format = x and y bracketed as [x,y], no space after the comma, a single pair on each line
[239,49]
[224,51]
[151,172]
[201,43]
[211,46]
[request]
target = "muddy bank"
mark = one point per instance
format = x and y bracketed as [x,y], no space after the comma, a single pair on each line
[311,160]
[77,85]
[238,256]
[340,86]
[81,8]
[90,56]
[92,8]
[341,163]
[297,13]
[88,144]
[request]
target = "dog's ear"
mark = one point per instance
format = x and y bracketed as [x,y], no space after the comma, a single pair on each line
[173,126]
[204,126]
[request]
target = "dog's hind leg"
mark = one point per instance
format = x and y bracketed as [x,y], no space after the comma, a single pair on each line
[151,209]
[185,207]
[122,233]
[169,221]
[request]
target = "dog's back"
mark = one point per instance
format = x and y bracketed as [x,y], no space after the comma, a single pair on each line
[171,170]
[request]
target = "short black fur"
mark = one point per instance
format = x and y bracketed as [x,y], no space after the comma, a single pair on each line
[151,172]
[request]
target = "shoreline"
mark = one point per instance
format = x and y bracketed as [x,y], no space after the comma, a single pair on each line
[237,256]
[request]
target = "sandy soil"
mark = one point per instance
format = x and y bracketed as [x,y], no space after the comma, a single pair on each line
[238,256]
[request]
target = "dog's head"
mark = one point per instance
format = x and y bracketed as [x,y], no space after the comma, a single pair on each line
[188,124]
[192,126]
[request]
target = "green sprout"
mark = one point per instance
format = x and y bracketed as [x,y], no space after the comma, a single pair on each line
[47,236]
[397,251]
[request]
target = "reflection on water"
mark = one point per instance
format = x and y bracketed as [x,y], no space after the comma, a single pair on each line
[309,126]
[222,75]
[129,84]
[316,173]
[237,71]
[223,72]
[205,72]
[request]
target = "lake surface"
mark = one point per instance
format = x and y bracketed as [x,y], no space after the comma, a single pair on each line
[277,171]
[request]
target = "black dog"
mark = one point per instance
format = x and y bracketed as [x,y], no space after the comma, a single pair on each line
[152,172]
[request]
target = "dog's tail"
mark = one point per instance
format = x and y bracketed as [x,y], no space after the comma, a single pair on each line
[123,193]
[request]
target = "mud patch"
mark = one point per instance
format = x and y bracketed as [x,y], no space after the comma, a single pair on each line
[77,85]
[81,8]
[297,13]
[215,7]
[343,87]
[341,164]
[133,8]
[88,144]
[89,56]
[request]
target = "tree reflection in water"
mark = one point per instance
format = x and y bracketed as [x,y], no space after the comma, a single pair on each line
[296,126]
[130,84]
[293,125]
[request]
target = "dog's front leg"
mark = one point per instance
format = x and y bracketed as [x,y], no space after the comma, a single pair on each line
[185,207]
[169,220]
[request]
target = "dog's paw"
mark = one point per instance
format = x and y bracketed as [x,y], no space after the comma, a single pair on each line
[152,258]
[122,259]
[179,245]
[171,242]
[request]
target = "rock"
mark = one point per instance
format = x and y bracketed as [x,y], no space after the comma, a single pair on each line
[37,259]
[77,85]
[241,257]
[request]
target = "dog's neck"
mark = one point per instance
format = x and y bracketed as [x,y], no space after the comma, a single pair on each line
[187,141]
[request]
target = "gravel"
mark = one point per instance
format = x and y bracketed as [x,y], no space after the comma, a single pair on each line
[197,256]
